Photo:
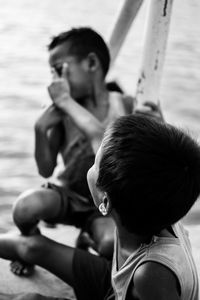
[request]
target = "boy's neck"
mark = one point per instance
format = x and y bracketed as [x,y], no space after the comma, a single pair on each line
[129,243]
[98,103]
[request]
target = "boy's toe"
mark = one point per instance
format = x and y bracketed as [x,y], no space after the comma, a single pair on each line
[21,269]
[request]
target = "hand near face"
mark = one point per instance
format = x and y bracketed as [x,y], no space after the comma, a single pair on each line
[59,89]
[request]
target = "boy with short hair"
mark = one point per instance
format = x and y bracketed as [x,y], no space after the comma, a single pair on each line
[146,175]
[157,176]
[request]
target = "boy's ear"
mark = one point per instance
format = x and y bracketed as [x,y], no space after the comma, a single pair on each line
[93,62]
[107,203]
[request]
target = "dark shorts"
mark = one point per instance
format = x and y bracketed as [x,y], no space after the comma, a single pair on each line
[92,277]
[75,209]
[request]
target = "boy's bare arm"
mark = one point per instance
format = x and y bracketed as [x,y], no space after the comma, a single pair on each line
[85,121]
[48,137]
[153,281]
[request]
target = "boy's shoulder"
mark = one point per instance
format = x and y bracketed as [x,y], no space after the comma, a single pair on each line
[122,102]
[155,281]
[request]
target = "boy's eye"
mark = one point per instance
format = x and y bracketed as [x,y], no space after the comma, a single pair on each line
[59,70]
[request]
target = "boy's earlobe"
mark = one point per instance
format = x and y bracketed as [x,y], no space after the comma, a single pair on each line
[105,206]
[102,209]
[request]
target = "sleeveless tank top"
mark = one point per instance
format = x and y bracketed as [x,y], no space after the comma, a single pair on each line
[174,253]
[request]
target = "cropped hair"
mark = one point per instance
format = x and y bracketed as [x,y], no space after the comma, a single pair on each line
[150,171]
[83,41]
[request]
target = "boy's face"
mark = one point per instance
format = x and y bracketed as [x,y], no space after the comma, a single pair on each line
[92,177]
[77,72]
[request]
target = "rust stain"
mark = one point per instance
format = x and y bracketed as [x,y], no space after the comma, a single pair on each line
[140,89]
[143,75]
[156,64]
[157,60]
[165,8]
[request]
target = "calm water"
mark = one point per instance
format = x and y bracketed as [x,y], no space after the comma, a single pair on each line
[25,29]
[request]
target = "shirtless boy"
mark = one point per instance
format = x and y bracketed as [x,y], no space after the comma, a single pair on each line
[79,60]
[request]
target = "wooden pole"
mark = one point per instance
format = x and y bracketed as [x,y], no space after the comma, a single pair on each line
[156,35]
[122,25]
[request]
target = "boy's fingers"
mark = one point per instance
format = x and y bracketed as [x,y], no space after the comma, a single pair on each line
[65,74]
[65,70]
[152,105]
[143,109]
[54,74]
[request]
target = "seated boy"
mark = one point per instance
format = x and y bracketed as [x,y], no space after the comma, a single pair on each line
[65,197]
[146,176]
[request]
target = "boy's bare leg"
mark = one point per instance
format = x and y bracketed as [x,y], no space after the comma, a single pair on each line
[37,249]
[31,207]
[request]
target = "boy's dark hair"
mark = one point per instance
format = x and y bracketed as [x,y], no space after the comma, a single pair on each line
[113,86]
[83,41]
[150,171]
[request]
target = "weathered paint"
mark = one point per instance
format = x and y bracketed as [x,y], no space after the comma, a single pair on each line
[156,35]
[165,8]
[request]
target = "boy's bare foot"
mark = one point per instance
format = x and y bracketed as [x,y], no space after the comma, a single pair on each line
[21,269]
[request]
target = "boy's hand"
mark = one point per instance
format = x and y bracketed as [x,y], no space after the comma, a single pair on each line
[150,109]
[59,90]
[49,118]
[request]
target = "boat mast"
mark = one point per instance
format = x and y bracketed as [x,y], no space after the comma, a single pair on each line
[155,41]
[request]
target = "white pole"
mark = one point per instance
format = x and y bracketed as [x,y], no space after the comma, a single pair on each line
[154,50]
[122,25]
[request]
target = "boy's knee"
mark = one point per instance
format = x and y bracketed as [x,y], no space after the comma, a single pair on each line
[23,208]
[105,246]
